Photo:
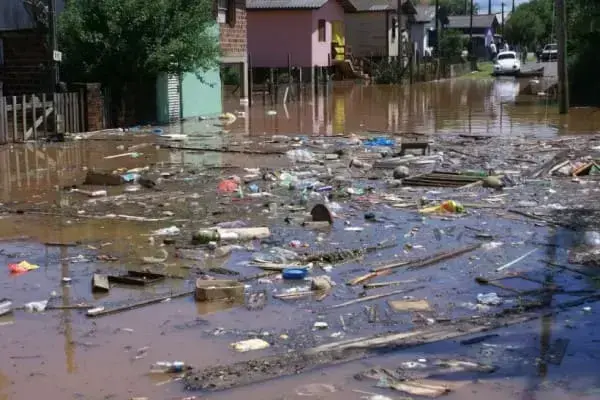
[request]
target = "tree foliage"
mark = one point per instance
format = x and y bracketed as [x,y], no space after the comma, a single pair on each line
[531,24]
[117,42]
[452,43]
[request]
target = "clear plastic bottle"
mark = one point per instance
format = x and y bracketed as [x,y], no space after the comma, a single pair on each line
[167,367]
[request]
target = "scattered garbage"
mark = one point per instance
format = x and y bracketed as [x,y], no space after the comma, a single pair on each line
[449,206]
[167,367]
[300,156]
[171,230]
[250,345]
[36,306]
[5,307]
[22,267]
[489,299]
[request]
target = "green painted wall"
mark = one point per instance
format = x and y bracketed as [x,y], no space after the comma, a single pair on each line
[162,100]
[200,93]
[201,98]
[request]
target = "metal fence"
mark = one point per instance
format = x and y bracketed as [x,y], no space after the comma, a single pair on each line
[36,116]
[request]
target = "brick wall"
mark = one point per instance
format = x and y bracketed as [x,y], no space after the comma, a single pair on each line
[234,38]
[26,59]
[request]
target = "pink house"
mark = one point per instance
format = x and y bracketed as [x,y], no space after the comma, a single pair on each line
[305,33]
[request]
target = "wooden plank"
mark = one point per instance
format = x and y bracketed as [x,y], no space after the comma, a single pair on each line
[24,117]
[41,120]
[67,112]
[14,119]
[45,115]
[80,102]
[27,171]
[74,112]
[33,118]
[18,167]
[3,125]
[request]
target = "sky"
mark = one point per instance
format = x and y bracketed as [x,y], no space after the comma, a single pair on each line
[497,5]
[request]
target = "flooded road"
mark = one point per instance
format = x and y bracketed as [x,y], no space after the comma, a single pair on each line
[62,354]
[478,107]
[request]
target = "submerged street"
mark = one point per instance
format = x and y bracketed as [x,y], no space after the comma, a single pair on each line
[508,285]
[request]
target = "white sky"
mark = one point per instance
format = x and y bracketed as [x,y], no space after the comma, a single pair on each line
[497,5]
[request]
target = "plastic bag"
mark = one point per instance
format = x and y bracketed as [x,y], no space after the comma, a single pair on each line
[300,156]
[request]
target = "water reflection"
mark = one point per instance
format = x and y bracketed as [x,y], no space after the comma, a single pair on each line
[485,107]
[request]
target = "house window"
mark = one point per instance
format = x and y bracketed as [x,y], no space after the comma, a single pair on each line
[226,12]
[322,31]
[394,28]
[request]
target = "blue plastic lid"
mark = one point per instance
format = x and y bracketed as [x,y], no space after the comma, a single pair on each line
[294,273]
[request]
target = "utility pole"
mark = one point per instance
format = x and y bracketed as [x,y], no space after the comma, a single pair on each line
[437,29]
[513,7]
[563,82]
[502,21]
[399,33]
[489,7]
[54,77]
[471,30]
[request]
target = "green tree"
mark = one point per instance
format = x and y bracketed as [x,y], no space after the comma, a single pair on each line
[125,44]
[452,43]
[524,27]
[531,24]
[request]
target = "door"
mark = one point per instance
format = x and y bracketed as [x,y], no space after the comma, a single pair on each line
[338,41]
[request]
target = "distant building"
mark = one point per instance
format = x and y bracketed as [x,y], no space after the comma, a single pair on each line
[303,33]
[373,30]
[481,25]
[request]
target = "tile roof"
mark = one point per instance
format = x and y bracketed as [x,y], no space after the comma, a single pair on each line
[293,4]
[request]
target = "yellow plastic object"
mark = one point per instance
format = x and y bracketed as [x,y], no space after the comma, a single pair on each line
[448,206]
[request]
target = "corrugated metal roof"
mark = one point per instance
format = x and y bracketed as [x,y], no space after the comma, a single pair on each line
[373,5]
[424,13]
[464,21]
[14,16]
[283,4]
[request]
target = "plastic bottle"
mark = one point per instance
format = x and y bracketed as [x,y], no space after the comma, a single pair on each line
[167,367]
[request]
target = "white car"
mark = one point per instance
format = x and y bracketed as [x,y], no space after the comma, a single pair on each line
[507,63]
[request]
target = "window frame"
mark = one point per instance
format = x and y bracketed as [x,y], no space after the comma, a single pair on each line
[226,12]
[322,30]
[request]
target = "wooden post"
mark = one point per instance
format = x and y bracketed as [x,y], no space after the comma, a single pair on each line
[290,80]
[272,84]
[3,116]
[44,114]
[563,80]
[33,116]
[24,115]
[250,82]
[14,119]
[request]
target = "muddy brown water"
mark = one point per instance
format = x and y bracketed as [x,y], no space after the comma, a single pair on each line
[62,354]
[483,107]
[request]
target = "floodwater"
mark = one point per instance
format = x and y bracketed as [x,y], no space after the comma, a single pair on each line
[61,354]
[478,107]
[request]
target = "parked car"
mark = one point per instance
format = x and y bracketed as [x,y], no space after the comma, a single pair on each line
[507,63]
[549,53]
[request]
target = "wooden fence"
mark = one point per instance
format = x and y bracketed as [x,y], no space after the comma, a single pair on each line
[32,117]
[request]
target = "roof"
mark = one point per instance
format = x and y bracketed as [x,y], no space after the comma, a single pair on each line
[294,4]
[464,21]
[424,13]
[373,5]
[15,16]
